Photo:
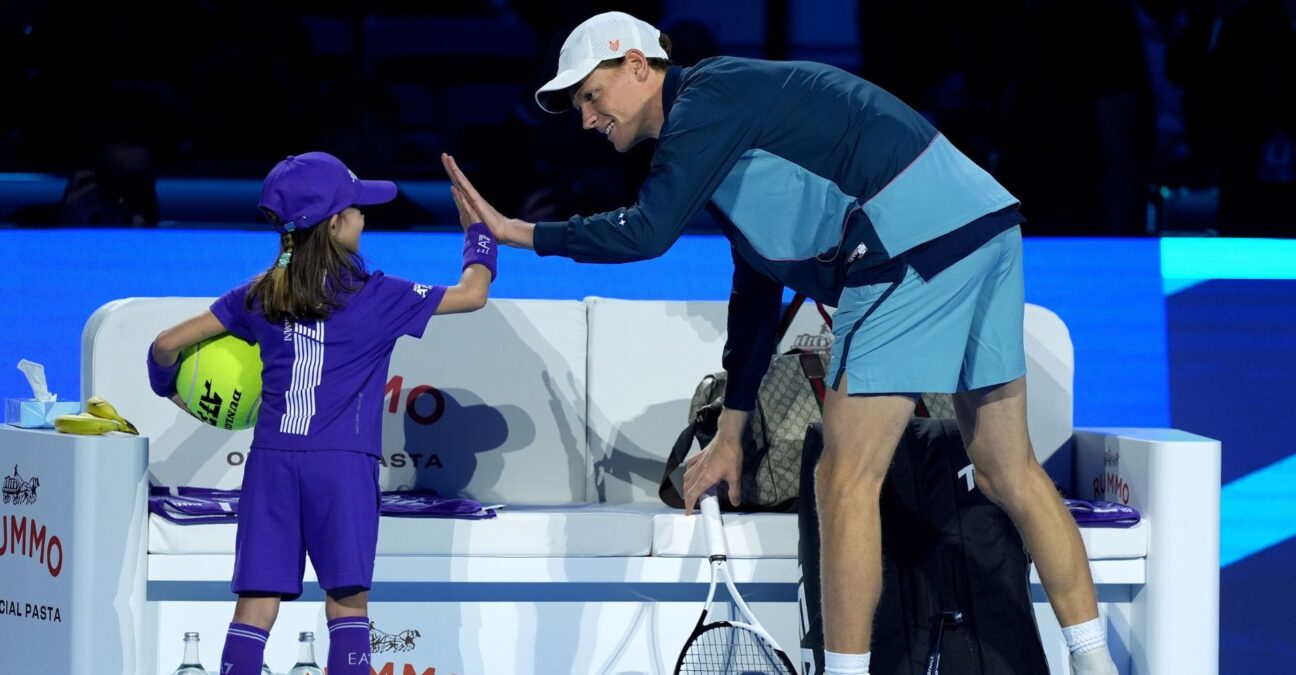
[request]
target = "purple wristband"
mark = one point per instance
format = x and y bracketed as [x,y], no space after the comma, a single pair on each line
[162,378]
[480,247]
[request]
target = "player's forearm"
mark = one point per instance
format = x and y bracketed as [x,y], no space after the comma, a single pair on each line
[732,422]
[519,234]
[620,236]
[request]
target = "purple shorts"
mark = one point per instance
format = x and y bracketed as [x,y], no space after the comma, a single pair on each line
[321,502]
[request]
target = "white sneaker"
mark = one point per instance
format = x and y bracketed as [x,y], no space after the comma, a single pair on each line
[1093,662]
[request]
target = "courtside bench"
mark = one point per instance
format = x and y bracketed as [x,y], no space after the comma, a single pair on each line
[564,411]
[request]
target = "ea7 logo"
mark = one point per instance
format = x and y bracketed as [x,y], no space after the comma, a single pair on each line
[483,244]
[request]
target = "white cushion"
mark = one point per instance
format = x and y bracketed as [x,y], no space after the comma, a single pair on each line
[775,535]
[586,530]
[1050,377]
[1116,543]
[113,347]
[590,530]
[747,535]
[645,360]
[512,377]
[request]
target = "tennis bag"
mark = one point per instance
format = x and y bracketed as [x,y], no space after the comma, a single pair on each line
[955,587]
[786,404]
[789,399]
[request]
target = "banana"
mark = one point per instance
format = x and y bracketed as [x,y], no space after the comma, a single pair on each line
[99,407]
[85,424]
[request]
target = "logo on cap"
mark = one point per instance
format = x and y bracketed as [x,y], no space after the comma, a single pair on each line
[615,45]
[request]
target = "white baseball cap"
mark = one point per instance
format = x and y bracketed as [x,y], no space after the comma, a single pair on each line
[605,36]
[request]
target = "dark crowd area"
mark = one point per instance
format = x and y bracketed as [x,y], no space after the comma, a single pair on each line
[1106,117]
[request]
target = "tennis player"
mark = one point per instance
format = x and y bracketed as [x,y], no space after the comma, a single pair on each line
[827,184]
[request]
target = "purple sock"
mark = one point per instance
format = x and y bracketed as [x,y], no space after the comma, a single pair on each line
[244,650]
[349,646]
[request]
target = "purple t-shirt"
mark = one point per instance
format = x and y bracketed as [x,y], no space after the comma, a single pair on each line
[323,381]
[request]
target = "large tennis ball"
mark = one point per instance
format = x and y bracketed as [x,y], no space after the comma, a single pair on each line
[220,381]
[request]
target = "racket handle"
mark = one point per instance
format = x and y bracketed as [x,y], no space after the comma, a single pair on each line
[711,523]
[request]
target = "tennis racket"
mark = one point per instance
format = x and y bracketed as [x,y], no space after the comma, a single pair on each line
[737,647]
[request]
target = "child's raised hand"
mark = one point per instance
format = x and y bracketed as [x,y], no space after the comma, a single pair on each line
[473,208]
[467,214]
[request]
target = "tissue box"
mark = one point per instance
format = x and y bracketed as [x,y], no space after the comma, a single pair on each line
[32,414]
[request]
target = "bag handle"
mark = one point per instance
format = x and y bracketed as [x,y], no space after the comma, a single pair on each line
[667,490]
[785,322]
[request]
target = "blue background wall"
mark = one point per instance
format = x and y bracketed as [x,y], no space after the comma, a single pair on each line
[1198,334]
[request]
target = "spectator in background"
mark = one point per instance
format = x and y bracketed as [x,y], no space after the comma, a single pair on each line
[946,59]
[100,74]
[1249,121]
[1187,56]
[1025,85]
[116,190]
[251,86]
[17,63]
[362,122]
[1162,24]
[1077,129]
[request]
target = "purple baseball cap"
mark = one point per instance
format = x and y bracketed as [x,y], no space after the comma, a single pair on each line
[304,190]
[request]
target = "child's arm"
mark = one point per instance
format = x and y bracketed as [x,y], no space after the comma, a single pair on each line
[469,294]
[164,353]
[479,263]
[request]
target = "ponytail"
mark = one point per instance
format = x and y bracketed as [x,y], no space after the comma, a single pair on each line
[309,277]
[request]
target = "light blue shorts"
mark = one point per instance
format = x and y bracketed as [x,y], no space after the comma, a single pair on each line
[959,330]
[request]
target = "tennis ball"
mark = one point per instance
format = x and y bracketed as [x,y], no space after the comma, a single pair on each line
[220,381]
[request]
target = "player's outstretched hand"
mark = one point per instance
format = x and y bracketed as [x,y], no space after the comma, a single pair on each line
[510,231]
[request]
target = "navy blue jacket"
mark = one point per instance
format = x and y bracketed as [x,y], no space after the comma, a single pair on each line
[821,180]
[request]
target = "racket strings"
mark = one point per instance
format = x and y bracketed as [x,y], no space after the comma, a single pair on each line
[723,649]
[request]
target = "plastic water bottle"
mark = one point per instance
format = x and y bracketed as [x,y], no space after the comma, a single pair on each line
[189,665]
[306,656]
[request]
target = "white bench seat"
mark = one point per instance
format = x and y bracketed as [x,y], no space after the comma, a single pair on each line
[574,407]
[582,530]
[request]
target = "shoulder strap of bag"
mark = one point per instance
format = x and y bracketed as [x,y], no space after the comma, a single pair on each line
[811,365]
[666,490]
[785,321]
[813,368]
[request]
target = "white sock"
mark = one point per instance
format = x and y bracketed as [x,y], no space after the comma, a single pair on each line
[846,664]
[1085,637]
